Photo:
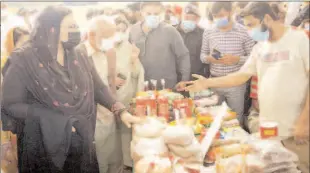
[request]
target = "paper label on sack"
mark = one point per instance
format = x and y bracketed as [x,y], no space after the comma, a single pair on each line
[214,128]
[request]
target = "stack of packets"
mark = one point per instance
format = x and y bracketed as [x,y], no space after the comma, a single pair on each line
[256,156]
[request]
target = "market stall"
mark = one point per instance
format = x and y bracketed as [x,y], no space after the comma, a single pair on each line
[195,134]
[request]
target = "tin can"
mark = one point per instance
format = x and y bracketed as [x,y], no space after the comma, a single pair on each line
[163,107]
[268,129]
[151,102]
[141,103]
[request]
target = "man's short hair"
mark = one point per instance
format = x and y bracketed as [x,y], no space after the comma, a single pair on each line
[93,24]
[218,6]
[241,4]
[134,6]
[150,3]
[258,10]
[91,13]
[119,20]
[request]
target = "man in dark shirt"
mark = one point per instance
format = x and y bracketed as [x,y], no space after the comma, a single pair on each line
[192,36]
[163,53]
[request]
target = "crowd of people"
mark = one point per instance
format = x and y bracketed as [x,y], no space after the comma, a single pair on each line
[66,91]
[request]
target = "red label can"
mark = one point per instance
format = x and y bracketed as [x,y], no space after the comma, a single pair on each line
[151,102]
[268,130]
[141,103]
[163,107]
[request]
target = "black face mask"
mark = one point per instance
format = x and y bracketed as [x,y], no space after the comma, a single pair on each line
[74,38]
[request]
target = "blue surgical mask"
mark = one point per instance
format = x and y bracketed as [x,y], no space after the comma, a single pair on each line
[188,25]
[152,21]
[307,27]
[259,35]
[221,22]
[174,20]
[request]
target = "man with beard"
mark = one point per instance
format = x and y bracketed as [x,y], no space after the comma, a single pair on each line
[133,13]
[280,59]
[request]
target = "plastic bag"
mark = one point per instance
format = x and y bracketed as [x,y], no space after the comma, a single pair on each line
[152,127]
[143,147]
[178,135]
[179,168]
[208,101]
[153,164]
[240,164]
[273,152]
[186,151]
[280,166]
[233,149]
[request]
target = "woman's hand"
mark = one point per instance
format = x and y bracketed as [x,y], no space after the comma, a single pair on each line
[129,120]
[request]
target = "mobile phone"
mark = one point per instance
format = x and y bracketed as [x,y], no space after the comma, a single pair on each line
[216,54]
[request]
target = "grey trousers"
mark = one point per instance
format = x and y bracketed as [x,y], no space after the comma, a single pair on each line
[234,98]
[108,147]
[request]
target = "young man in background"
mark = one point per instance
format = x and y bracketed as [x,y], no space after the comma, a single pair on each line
[231,39]
[280,59]
[163,53]
[192,36]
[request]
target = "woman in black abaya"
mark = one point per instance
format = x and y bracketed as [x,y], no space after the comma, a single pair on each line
[50,94]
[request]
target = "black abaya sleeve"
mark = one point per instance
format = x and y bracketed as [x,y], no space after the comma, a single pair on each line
[14,96]
[104,96]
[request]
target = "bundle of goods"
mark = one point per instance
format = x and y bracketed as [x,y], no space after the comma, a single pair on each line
[185,149]
[275,156]
[148,149]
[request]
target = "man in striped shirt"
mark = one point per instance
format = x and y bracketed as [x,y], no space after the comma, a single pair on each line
[234,43]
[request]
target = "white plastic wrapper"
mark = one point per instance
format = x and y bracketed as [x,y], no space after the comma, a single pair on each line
[178,135]
[280,166]
[186,151]
[273,152]
[143,147]
[153,164]
[151,128]
[208,101]
[239,163]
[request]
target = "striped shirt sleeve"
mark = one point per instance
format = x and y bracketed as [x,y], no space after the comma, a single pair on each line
[247,46]
[205,49]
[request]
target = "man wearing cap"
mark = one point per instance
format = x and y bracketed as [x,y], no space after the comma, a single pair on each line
[163,53]
[280,60]
[226,47]
[175,15]
[192,36]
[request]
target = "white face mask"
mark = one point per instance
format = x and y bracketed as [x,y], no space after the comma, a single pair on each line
[107,44]
[306,27]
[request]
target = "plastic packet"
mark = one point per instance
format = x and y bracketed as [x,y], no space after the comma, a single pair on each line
[186,151]
[240,164]
[273,152]
[152,127]
[280,166]
[179,134]
[143,147]
[208,101]
[153,164]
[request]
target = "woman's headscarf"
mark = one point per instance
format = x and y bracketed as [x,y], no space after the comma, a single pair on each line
[63,88]
[66,89]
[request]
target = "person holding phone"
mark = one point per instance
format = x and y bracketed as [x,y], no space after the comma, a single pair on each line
[225,48]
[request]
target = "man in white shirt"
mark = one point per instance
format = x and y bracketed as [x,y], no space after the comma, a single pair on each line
[281,61]
[100,48]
